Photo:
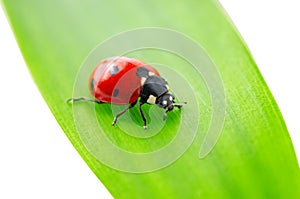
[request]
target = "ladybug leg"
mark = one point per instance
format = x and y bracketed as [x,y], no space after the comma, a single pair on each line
[165,116]
[122,112]
[178,106]
[143,115]
[84,99]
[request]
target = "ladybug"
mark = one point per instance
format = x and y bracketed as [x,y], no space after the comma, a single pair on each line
[124,80]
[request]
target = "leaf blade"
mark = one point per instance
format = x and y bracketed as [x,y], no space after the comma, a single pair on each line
[54,66]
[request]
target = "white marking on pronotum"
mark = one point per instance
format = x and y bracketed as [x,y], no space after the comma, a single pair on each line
[151,99]
[171,98]
[168,88]
[151,73]
[143,79]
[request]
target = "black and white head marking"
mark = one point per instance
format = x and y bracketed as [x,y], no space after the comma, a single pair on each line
[166,101]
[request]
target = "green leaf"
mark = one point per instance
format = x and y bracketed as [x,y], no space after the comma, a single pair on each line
[253,157]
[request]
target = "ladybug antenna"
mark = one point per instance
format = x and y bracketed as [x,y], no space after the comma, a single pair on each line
[179,103]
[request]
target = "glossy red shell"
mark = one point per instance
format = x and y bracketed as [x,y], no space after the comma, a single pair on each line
[115,80]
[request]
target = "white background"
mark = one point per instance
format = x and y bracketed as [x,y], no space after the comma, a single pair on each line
[38,161]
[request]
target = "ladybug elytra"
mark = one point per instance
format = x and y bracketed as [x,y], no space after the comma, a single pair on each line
[123,80]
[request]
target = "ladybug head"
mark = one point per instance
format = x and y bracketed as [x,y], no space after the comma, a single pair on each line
[166,101]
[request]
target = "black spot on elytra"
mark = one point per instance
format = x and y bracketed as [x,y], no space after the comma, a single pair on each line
[116,92]
[114,70]
[93,84]
[142,72]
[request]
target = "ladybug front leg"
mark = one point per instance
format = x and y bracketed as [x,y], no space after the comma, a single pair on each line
[143,115]
[122,112]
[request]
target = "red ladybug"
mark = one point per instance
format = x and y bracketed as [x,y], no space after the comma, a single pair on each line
[123,80]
